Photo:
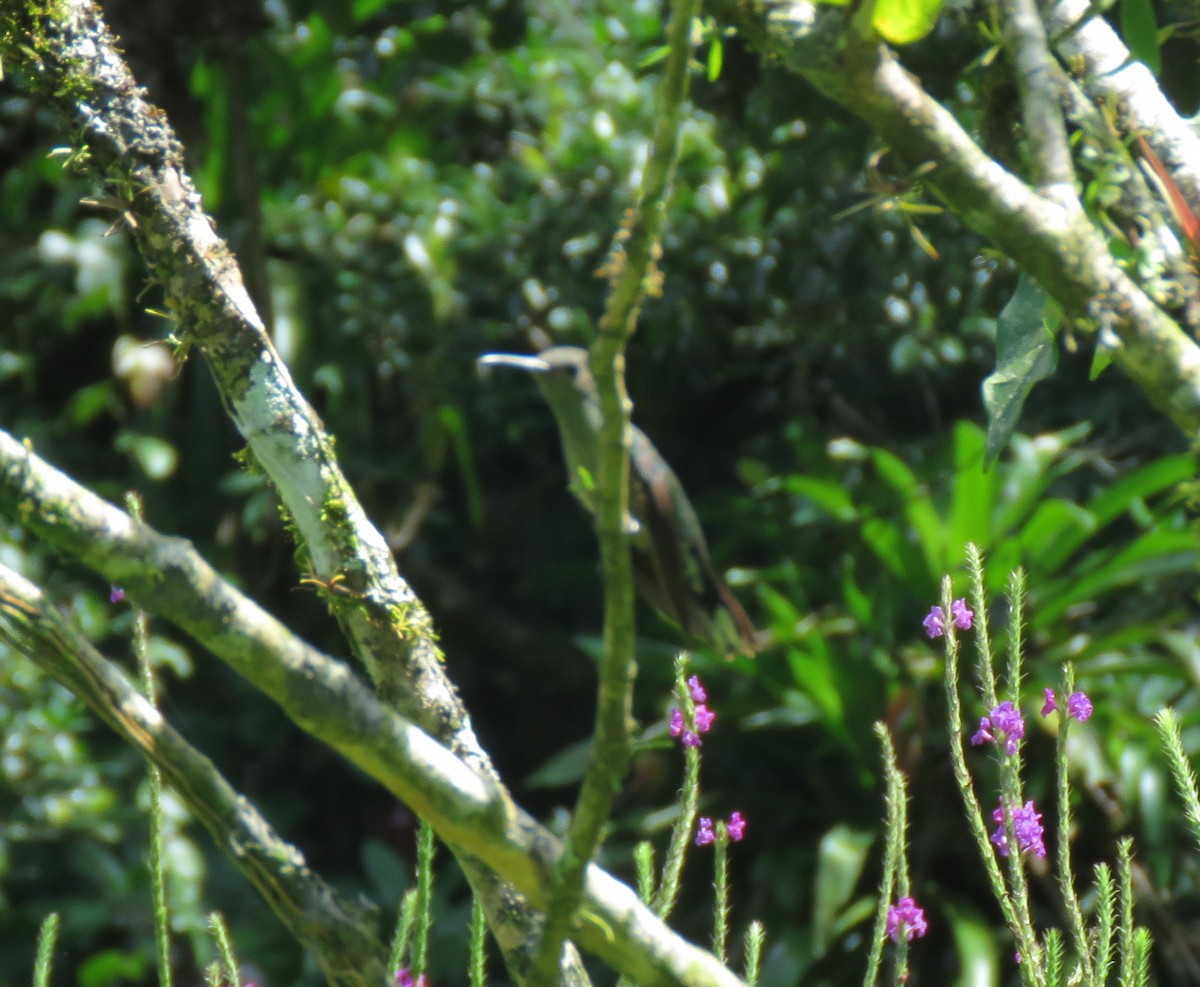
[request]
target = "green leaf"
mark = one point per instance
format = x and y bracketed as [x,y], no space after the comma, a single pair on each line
[564,768]
[1140,30]
[156,457]
[716,57]
[453,422]
[831,497]
[918,509]
[840,859]
[904,21]
[975,491]
[1025,354]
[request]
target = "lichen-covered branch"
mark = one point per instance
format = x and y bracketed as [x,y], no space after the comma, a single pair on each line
[471,812]
[1037,77]
[65,51]
[1098,58]
[342,937]
[1057,245]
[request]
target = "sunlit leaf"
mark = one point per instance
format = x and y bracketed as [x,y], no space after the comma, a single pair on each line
[1025,354]
[904,21]
[840,859]
[1140,30]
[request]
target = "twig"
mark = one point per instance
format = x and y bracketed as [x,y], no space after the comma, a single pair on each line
[340,937]
[632,269]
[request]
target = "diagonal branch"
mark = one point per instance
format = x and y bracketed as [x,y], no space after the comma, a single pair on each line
[1109,73]
[1056,245]
[342,937]
[471,812]
[66,52]
[1037,77]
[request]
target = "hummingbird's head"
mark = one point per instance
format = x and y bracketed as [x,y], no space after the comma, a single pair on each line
[561,371]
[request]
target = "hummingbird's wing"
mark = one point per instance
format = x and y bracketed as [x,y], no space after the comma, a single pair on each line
[672,565]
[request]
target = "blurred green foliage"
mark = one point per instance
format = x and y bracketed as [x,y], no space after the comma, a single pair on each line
[410,185]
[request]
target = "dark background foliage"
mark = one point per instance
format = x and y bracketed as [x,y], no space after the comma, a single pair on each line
[408,186]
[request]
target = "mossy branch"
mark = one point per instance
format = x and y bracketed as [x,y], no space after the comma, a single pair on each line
[341,937]
[65,52]
[1056,244]
[633,276]
[469,811]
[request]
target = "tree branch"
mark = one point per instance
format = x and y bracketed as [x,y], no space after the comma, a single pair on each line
[1037,78]
[66,52]
[633,274]
[1056,245]
[1097,57]
[471,812]
[341,937]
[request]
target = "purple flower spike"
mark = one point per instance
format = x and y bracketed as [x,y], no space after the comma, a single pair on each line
[705,834]
[1079,706]
[696,689]
[704,718]
[935,622]
[906,920]
[962,615]
[1050,705]
[1027,827]
[1004,722]
[736,827]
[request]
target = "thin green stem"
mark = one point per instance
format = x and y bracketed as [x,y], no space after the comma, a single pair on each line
[958,756]
[894,882]
[1181,768]
[406,918]
[610,737]
[158,884]
[426,844]
[756,935]
[478,971]
[1125,930]
[689,805]
[224,950]
[1066,876]
[1106,899]
[983,639]
[720,939]
[47,937]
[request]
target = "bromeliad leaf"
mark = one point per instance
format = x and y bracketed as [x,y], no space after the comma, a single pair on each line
[1025,354]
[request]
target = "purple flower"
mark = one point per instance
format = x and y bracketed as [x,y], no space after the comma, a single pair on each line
[983,735]
[1027,827]
[704,718]
[690,738]
[676,722]
[696,689]
[404,977]
[1079,706]
[935,622]
[962,615]
[1050,705]
[906,919]
[116,595]
[1005,721]
[736,827]
[705,834]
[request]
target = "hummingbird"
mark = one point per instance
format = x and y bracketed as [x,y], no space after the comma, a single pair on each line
[671,565]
